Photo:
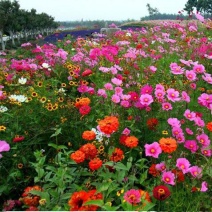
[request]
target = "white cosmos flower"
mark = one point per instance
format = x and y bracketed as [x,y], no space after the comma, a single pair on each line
[18,98]
[22,81]
[45,65]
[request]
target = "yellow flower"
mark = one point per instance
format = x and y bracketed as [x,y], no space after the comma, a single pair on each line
[2,128]
[164,132]
[42,201]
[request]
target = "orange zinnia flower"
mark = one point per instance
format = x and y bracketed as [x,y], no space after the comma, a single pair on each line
[89,135]
[131,141]
[117,155]
[209,126]
[78,156]
[168,145]
[89,150]
[109,124]
[82,102]
[95,164]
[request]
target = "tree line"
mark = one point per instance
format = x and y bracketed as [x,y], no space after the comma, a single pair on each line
[17,22]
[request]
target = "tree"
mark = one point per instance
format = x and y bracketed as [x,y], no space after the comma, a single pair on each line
[152,11]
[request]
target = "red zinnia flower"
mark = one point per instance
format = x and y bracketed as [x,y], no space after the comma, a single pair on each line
[89,150]
[117,155]
[161,192]
[30,199]
[152,123]
[87,72]
[95,164]
[153,171]
[209,126]
[84,110]
[18,138]
[179,175]
[78,156]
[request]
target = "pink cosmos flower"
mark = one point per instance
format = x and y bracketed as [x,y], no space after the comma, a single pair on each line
[159,94]
[174,122]
[116,81]
[203,139]
[134,96]
[125,103]
[195,171]
[175,69]
[199,17]
[108,86]
[206,151]
[115,98]
[153,69]
[102,92]
[191,145]
[193,86]
[4,147]
[185,97]
[82,88]
[190,115]
[189,131]
[180,138]
[126,131]
[199,69]
[204,186]
[153,150]
[168,177]
[183,164]
[146,99]
[173,95]
[166,106]
[146,89]
[199,122]
[176,131]
[207,78]
[118,91]
[190,75]
[132,196]
[125,97]
[161,166]
[160,87]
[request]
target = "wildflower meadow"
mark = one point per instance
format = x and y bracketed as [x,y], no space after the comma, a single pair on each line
[110,123]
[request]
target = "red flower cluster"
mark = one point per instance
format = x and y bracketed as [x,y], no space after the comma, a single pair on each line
[152,123]
[79,198]
[30,199]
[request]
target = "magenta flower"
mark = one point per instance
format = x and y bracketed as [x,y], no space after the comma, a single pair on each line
[204,186]
[166,106]
[116,81]
[176,131]
[126,131]
[160,87]
[183,164]
[159,94]
[185,97]
[207,78]
[189,131]
[146,99]
[173,95]
[102,92]
[191,75]
[132,196]
[203,139]
[206,151]
[199,122]
[161,166]
[190,115]
[125,97]
[175,69]
[118,91]
[191,145]
[180,138]
[146,89]
[125,103]
[174,122]
[4,147]
[199,69]
[108,86]
[195,171]
[153,149]
[115,98]
[168,178]
[193,86]
[82,88]
[134,96]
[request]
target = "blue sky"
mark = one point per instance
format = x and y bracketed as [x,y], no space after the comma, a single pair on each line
[71,10]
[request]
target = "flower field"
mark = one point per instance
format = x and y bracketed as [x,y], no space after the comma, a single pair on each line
[117,123]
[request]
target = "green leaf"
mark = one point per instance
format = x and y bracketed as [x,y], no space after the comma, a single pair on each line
[94,202]
[120,166]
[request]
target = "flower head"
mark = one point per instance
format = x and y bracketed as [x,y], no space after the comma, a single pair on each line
[168,177]
[95,164]
[161,192]
[168,145]
[153,149]
[183,164]
[132,196]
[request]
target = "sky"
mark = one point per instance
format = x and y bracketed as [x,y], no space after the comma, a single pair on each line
[76,10]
